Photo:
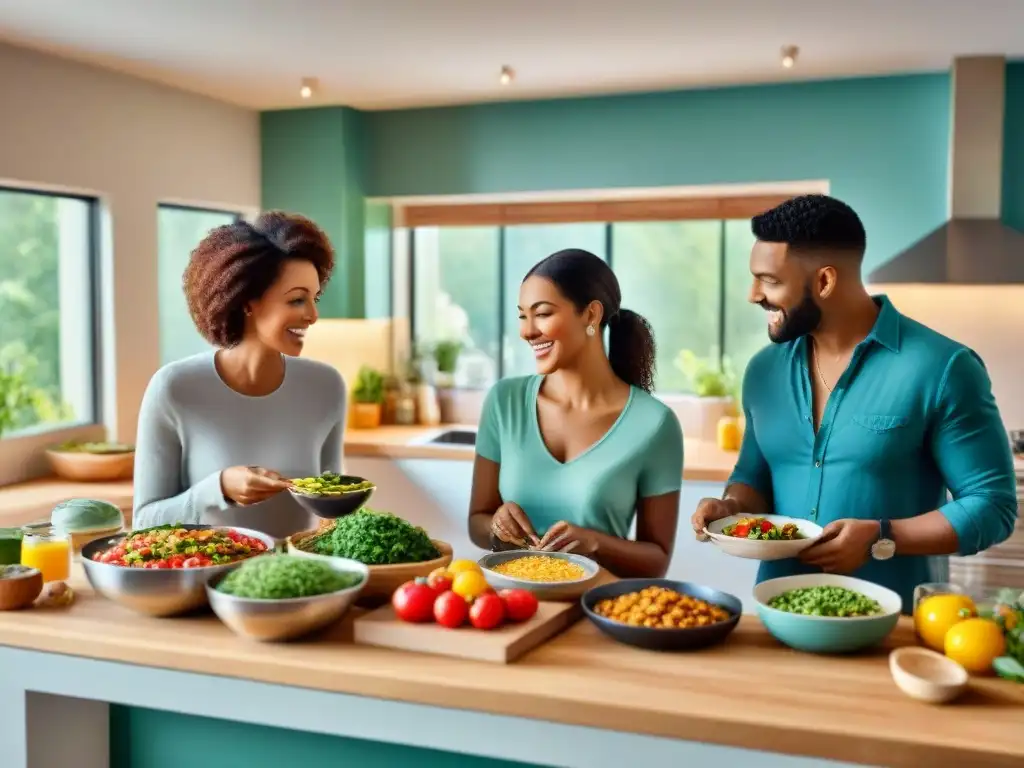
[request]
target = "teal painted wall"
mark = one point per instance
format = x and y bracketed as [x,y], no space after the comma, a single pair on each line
[1013,157]
[881,142]
[146,738]
[312,164]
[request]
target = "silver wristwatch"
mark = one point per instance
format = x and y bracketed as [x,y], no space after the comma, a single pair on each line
[885,547]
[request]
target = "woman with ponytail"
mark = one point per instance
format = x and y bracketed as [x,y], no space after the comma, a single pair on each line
[567,460]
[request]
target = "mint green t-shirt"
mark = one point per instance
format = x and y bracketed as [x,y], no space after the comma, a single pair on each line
[639,457]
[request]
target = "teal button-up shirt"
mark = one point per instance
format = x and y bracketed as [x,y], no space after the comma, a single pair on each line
[911,422]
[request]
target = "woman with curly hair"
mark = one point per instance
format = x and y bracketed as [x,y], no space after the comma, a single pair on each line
[568,459]
[219,432]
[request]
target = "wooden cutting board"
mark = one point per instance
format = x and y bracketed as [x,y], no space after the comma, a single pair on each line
[502,645]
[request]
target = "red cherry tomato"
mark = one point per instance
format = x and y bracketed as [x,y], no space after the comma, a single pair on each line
[451,610]
[741,531]
[414,602]
[520,604]
[766,526]
[487,611]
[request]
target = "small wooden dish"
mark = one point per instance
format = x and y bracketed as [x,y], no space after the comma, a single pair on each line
[19,586]
[926,675]
[384,579]
[91,467]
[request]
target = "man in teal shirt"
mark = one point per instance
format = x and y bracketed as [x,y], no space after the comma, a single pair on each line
[861,419]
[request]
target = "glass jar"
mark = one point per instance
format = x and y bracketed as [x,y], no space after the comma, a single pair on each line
[47,548]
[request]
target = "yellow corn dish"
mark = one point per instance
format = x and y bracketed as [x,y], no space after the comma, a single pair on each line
[661,608]
[540,568]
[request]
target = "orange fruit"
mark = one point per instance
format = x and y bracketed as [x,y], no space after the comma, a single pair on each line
[937,613]
[470,584]
[975,643]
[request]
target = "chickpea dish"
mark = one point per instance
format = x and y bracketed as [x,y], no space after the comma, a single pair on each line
[661,608]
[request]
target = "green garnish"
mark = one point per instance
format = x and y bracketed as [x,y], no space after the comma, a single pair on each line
[374,538]
[282,577]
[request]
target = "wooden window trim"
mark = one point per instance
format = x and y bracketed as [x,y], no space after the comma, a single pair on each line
[564,212]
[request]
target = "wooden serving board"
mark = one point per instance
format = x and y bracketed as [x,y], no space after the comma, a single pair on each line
[502,645]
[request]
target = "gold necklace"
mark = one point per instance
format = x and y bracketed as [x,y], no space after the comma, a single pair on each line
[817,366]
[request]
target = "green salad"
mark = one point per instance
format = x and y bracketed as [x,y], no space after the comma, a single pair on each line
[374,538]
[283,577]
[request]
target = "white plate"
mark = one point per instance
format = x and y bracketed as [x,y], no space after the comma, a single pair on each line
[758,549]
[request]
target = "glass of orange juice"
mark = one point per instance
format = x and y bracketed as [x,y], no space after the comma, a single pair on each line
[47,549]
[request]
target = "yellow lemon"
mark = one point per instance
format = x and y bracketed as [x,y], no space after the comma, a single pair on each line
[936,614]
[975,643]
[463,566]
[470,584]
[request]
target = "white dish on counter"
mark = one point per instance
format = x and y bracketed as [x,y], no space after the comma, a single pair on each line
[760,549]
[926,675]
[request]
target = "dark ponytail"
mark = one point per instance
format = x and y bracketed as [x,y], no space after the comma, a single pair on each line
[631,349]
[583,278]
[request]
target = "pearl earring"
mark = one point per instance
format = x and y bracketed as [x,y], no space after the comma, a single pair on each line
[590,330]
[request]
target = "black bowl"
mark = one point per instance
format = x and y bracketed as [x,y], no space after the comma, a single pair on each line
[653,639]
[333,507]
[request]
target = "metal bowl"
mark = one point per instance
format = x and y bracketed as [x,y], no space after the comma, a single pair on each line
[275,620]
[333,507]
[157,592]
[655,639]
[544,590]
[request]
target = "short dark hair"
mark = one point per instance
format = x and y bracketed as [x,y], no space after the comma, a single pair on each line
[812,223]
[236,263]
[582,277]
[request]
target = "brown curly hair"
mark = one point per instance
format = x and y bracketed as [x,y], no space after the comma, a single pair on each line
[237,263]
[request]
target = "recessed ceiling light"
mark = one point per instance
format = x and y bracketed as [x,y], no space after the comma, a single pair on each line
[507,75]
[308,87]
[789,54]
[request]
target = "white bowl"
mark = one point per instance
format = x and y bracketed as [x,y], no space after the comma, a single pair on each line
[543,590]
[758,549]
[926,675]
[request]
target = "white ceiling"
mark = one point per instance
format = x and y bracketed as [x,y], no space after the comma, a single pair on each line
[379,54]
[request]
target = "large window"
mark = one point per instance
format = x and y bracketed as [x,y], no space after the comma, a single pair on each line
[525,245]
[179,230]
[48,311]
[688,275]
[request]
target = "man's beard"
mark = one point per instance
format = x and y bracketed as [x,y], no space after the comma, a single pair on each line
[804,318]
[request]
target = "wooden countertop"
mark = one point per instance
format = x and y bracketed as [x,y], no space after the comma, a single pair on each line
[703,461]
[749,693]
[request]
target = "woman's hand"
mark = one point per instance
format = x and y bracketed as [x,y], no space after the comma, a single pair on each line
[511,525]
[566,537]
[251,485]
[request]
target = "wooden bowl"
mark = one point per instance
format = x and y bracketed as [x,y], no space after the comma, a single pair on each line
[91,467]
[19,590]
[384,579]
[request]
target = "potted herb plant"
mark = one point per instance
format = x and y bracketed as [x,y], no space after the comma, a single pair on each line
[367,399]
[711,410]
[446,357]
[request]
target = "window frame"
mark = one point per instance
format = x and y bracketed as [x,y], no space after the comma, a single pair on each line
[95,299]
[22,454]
[609,226]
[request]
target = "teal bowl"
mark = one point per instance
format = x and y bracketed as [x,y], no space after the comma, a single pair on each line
[827,634]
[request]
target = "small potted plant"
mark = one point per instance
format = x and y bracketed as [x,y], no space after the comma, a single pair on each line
[446,356]
[712,407]
[367,399]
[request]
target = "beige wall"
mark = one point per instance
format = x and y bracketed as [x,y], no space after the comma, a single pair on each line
[988,319]
[133,144]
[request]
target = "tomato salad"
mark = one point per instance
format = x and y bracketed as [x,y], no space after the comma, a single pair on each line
[169,546]
[765,530]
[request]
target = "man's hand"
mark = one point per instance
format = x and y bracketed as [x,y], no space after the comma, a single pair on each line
[708,511]
[844,546]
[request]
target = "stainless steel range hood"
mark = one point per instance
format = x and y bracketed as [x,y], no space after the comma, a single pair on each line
[974,247]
